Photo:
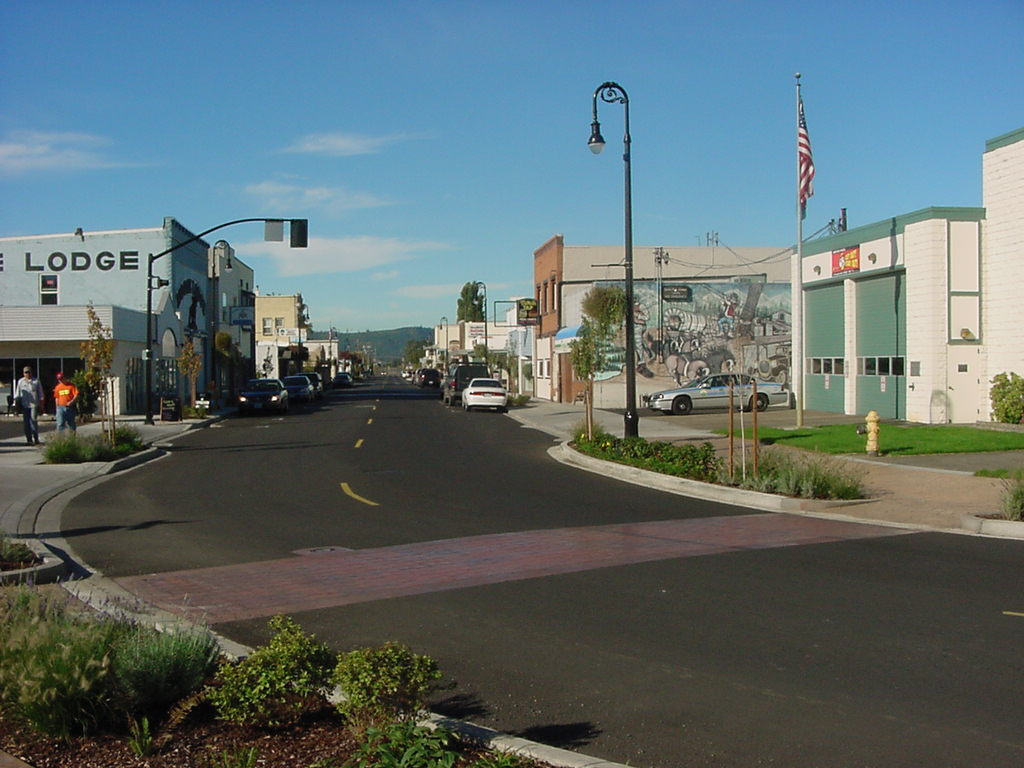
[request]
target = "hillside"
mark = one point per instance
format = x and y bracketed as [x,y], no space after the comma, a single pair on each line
[387,345]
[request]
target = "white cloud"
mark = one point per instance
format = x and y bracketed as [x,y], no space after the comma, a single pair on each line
[24,151]
[332,255]
[390,274]
[437,291]
[278,196]
[341,144]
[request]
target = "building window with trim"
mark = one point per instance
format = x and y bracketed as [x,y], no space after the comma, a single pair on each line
[881,366]
[826,366]
[47,289]
[268,326]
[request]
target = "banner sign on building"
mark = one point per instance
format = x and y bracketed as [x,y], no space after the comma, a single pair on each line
[527,312]
[846,260]
[677,293]
[243,316]
[476,333]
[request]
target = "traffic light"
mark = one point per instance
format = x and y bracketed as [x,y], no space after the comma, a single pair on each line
[300,233]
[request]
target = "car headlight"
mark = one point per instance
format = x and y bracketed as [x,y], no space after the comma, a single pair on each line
[241,398]
[274,398]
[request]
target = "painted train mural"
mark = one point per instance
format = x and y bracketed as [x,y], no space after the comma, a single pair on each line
[696,328]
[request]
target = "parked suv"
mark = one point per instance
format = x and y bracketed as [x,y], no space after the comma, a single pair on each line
[428,377]
[459,375]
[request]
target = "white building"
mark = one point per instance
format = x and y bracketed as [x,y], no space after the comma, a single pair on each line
[46,281]
[913,316]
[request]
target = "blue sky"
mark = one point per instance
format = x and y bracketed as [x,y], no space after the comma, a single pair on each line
[432,143]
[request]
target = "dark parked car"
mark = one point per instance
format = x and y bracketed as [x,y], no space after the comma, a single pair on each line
[263,395]
[316,383]
[459,375]
[342,380]
[299,389]
[428,377]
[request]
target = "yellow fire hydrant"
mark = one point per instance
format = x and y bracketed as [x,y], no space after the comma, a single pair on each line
[873,429]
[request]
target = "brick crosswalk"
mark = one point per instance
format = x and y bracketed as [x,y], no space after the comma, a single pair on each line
[336,577]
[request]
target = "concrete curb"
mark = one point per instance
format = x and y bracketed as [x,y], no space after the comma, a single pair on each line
[54,567]
[987,526]
[694,488]
[51,569]
[502,742]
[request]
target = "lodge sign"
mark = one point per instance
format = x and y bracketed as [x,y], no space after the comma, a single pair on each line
[80,261]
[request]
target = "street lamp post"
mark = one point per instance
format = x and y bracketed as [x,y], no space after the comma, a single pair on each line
[486,350]
[613,93]
[299,239]
[660,258]
[220,251]
[445,323]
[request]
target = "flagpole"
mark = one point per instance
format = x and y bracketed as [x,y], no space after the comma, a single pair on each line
[798,285]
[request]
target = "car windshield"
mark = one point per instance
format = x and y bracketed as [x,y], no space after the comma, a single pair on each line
[300,380]
[262,385]
[485,383]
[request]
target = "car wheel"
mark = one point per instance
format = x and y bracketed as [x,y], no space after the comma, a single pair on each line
[762,402]
[682,406]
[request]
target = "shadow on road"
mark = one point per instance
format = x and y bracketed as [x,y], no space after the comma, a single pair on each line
[461,706]
[563,735]
[72,532]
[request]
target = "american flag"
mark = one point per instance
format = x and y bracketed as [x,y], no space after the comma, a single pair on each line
[806,162]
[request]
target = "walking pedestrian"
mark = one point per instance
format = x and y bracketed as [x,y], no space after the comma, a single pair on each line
[64,395]
[30,394]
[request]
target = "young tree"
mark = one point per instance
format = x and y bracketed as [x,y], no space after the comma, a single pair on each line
[191,363]
[414,352]
[604,309]
[471,304]
[98,353]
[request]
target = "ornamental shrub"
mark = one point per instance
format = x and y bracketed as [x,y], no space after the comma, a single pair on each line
[1013,496]
[1007,395]
[277,683]
[805,477]
[156,669]
[382,684]
[55,670]
[406,745]
[694,462]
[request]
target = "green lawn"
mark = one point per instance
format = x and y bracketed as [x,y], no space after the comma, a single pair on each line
[904,441]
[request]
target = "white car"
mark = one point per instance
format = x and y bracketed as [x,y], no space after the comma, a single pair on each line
[484,393]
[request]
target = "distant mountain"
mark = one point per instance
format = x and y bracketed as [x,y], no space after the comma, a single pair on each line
[387,345]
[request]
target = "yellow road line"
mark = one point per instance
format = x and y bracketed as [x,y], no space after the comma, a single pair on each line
[370,420]
[1013,613]
[359,443]
[356,496]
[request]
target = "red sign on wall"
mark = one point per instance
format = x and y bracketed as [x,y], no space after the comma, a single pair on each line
[846,260]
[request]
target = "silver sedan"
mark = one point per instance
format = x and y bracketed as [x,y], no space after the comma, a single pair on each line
[712,391]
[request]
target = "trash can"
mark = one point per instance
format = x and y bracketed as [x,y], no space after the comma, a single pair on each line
[170,408]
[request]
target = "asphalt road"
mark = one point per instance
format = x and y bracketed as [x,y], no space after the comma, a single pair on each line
[865,649]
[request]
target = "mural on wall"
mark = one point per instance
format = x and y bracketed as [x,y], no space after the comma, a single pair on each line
[190,290]
[694,329]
